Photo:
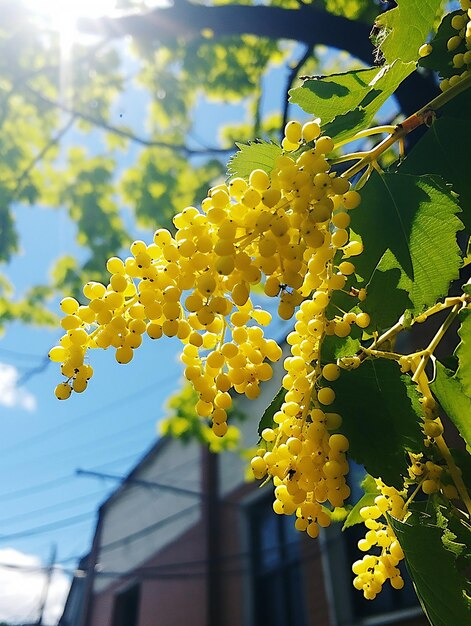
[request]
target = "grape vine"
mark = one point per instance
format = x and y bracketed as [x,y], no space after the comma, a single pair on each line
[308,230]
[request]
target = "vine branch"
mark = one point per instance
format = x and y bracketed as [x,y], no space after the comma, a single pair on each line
[423,116]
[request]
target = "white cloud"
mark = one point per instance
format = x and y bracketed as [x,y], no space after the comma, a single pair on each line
[22,585]
[10,394]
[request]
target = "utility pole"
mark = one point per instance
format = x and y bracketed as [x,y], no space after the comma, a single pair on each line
[212,521]
[47,584]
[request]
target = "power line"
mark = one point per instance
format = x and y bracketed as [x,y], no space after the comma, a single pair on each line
[89,448]
[38,530]
[159,486]
[21,355]
[149,484]
[62,523]
[155,569]
[143,532]
[82,418]
[13,495]
[52,507]
[161,571]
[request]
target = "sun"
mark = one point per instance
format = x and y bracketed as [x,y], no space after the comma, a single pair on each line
[63,14]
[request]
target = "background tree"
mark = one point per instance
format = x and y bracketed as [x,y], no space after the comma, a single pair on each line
[54,99]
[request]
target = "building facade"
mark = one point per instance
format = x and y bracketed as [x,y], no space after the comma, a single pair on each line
[186,540]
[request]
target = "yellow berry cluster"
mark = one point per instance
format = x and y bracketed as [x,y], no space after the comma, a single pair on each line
[373,571]
[281,230]
[459,44]
[286,230]
[429,476]
[306,460]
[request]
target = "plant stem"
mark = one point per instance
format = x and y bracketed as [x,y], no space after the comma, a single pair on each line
[381,354]
[422,116]
[454,472]
[389,334]
[435,341]
[367,132]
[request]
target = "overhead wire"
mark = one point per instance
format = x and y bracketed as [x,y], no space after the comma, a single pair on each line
[60,480]
[64,504]
[88,448]
[63,480]
[161,571]
[80,419]
[53,507]
[62,523]
[20,355]
[38,530]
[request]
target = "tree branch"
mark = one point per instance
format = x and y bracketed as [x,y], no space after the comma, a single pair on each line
[307,24]
[185,20]
[42,153]
[121,132]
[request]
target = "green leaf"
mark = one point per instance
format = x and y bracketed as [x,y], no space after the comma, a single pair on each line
[330,96]
[413,217]
[380,410]
[431,557]
[386,301]
[371,491]
[346,125]
[438,152]
[334,348]
[463,461]
[463,351]
[353,102]
[456,404]
[440,59]
[275,405]
[458,107]
[404,29]
[257,155]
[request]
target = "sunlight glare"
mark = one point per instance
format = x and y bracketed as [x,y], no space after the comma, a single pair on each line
[62,17]
[64,13]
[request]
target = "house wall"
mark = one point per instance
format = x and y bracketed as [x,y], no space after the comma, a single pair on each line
[177,596]
[137,508]
[169,595]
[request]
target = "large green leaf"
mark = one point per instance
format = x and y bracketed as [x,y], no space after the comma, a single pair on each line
[257,155]
[404,29]
[348,102]
[435,548]
[438,152]
[334,347]
[329,96]
[457,405]
[380,411]
[415,218]
[463,351]
[386,301]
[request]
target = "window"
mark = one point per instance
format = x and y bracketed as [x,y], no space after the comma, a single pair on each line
[278,585]
[126,607]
